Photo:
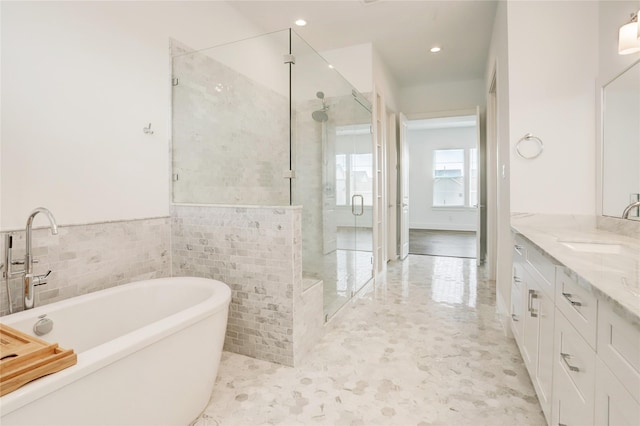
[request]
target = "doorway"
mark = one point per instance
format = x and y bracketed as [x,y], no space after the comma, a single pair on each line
[445,184]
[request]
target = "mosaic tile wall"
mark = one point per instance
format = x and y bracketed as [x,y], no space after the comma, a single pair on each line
[230,134]
[257,252]
[87,258]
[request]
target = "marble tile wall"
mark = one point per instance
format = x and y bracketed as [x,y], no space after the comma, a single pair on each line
[87,258]
[257,252]
[230,136]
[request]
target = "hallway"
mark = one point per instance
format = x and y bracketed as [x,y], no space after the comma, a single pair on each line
[424,348]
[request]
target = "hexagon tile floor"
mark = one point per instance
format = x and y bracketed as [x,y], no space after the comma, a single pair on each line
[423,348]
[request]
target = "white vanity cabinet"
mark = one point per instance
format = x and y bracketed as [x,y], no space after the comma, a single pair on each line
[583,356]
[574,352]
[618,370]
[533,318]
[573,376]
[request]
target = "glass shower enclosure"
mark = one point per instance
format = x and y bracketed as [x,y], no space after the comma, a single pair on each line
[267,121]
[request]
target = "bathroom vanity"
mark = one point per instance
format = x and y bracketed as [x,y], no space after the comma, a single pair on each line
[575,315]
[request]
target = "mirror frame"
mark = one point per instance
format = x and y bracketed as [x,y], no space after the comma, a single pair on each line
[601,85]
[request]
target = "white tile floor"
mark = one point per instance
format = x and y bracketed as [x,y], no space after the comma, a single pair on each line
[423,349]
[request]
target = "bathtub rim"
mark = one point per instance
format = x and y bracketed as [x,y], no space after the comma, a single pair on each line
[110,352]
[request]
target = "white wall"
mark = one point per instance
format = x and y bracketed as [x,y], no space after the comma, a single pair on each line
[449,96]
[422,214]
[552,74]
[545,85]
[80,80]
[385,83]
[1,117]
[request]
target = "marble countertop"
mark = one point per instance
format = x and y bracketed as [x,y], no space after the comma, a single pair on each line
[614,276]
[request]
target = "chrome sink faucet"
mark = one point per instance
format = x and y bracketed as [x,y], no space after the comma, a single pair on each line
[30,280]
[627,210]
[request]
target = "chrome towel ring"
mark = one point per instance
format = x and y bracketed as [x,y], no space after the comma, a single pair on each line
[529,137]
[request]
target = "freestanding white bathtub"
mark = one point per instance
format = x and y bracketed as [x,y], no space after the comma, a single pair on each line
[148,354]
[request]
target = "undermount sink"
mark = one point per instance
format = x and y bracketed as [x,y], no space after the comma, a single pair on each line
[593,246]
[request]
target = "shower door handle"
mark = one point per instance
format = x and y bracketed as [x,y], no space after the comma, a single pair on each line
[353,205]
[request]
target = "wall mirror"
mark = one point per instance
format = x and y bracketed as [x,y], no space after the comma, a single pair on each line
[621,143]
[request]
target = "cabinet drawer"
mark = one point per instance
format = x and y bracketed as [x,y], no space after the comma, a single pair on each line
[614,405]
[578,306]
[569,408]
[574,358]
[545,268]
[619,347]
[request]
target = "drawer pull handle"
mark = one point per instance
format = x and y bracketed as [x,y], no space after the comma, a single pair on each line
[516,279]
[514,317]
[565,358]
[518,247]
[532,295]
[573,302]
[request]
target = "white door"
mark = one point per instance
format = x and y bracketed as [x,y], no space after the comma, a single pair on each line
[392,188]
[481,207]
[404,187]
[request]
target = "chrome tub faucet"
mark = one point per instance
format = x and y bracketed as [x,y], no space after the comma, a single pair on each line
[31,280]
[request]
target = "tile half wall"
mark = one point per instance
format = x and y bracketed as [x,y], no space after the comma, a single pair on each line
[257,252]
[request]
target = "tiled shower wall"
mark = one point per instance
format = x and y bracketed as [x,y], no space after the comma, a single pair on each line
[87,258]
[257,252]
[230,134]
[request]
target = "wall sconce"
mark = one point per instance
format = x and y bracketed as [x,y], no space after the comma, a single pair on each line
[628,41]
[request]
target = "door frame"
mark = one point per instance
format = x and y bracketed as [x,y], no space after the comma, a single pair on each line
[392,186]
[403,178]
[491,189]
[482,166]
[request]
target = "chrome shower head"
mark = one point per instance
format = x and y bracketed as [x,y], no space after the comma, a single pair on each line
[320,116]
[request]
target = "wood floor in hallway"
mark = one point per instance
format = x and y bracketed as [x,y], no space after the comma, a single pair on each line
[435,242]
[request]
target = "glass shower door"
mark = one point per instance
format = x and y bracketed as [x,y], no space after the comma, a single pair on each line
[332,159]
[355,145]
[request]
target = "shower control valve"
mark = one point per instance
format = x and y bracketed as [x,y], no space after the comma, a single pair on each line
[40,279]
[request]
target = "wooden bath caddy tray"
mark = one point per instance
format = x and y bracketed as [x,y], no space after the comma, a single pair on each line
[24,358]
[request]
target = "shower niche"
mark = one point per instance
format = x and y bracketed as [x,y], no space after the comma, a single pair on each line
[267,122]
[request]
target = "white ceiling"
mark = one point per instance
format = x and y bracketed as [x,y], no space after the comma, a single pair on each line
[402,32]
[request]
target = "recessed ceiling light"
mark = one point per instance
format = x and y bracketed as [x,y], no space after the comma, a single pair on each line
[301,22]
[330,66]
[435,49]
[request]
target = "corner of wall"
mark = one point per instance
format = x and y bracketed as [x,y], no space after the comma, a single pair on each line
[385,82]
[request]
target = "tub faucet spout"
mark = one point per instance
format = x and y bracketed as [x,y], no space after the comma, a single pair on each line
[627,210]
[30,279]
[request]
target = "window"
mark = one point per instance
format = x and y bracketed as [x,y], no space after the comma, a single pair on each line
[455,177]
[354,175]
[448,177]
